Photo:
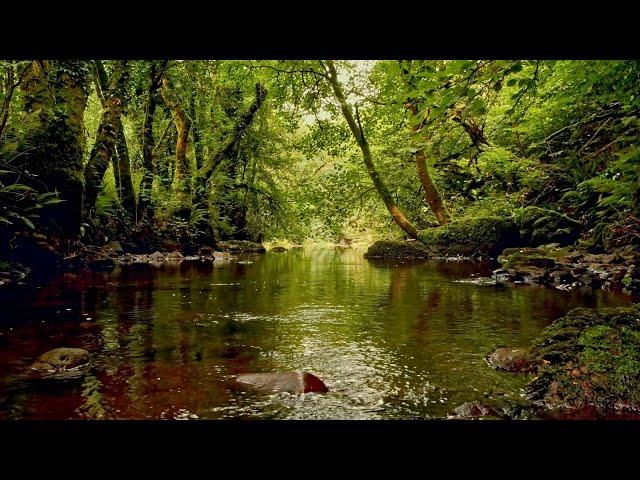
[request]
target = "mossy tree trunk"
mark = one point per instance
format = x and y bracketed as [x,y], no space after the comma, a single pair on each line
[356,129]
[52,142]
[121,161]
[181,176]
[104,148]
[145,209]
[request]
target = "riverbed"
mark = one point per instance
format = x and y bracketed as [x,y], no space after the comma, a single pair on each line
[390,340]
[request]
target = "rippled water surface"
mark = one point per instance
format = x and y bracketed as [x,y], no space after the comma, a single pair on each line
[390,341]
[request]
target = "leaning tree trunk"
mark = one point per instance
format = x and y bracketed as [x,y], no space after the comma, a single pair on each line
[104,147]
[356,129]
[432,196]
[52,142]
[181,175]
[230,146]
[145,209]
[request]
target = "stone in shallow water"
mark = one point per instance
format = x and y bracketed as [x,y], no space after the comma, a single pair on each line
[61,362]
[509,359]
[294,382]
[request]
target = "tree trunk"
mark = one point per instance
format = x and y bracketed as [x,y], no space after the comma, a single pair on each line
[195,130]
[52,145]
[145,209]
[124,185]
[181,177]
[104,148]
[358,134]
[233,140]
[431,194]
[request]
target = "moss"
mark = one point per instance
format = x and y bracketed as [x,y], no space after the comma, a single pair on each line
[397,250]
[539,226]
[241,246]
[533,257]
[589,359]
[467,236]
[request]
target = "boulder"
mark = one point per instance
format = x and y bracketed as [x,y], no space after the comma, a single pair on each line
[509,359]
[540,225]
[61,363]
[278,249]
[487,235]
[156,257]
[397,250]
[205,252]
[102,264]
[294,382]
[588,359]
[175,257]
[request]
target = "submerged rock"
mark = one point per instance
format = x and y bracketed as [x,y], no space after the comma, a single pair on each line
[589,360]
[295,382]
[241,246]
[475,410]
[509,359]
[61,363]
[394,249]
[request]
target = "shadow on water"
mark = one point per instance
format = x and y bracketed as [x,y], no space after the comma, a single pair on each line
[391,340]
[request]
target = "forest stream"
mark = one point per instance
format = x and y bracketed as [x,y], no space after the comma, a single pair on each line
[391,341]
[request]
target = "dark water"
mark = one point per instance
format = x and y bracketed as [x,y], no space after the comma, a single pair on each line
[402,341]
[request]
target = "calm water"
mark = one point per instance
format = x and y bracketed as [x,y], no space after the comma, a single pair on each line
[390,341]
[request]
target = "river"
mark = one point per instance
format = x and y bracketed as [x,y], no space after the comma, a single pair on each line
[391,341]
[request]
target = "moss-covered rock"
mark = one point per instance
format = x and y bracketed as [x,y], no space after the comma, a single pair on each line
[61,363]
[539,226]
[468,236]
[589,360]
[526,257]
[393,249]
[241,246]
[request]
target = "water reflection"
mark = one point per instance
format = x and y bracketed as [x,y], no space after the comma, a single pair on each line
[390,340]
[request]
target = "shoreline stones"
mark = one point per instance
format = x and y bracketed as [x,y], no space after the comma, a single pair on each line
[294,382]
[241,246]
[61,363]
[278,249]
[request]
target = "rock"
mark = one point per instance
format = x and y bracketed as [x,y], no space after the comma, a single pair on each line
[295,382]
[205,252]
[393,249]
[278,249]
[588,359]
[540,226]
[156,257]
[509,359]
[115,246]
[241,246]
[132,248]
[175,257]
[61,363]
[192,258]
[474,410]
[487,235]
